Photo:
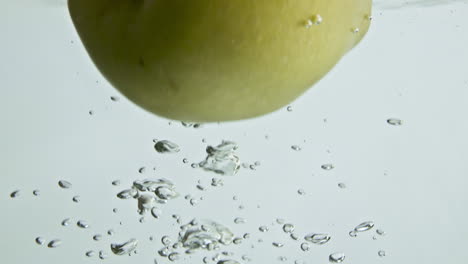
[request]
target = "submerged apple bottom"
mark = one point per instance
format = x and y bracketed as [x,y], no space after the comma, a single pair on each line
[204,66]
[227,93]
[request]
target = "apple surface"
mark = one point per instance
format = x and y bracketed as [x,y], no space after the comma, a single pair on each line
[217,60]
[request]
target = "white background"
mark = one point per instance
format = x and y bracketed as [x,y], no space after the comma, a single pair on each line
[410,180]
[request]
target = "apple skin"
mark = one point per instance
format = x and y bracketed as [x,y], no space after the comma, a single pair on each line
[216,60]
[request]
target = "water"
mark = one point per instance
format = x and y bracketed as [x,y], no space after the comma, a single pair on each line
[64,184]
[205,234]
[166,146]
[337,257]
[365,226]
[124,248]
[318,239]
[222,159]
[54,243]
[40,240]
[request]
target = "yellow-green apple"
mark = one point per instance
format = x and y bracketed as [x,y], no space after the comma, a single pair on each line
[217,60]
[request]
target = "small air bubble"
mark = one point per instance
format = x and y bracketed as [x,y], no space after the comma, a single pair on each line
[102,255]
[76,199]
[36,192]
[288,228]
[239,220]
[394,122]
[317,19]
[381,253]
[166,146]
[15,194]
[263,229]
[305,246]
[165,240]
[277,244]
[65,184]
[365,226]
[296,147]
[82,224]
[116,183]
[90,253]
[66,222]
[327,166]
[341,185]
[97,237]
[173,256]
[39,240]
[318,239]
[54,243]
[337,257]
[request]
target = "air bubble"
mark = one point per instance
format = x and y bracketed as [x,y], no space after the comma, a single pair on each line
[394,122]
[54,243]
[40,240]
[166,146]
[318,239]
[365,226]
[337,257]
[65,184]
[124,248]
